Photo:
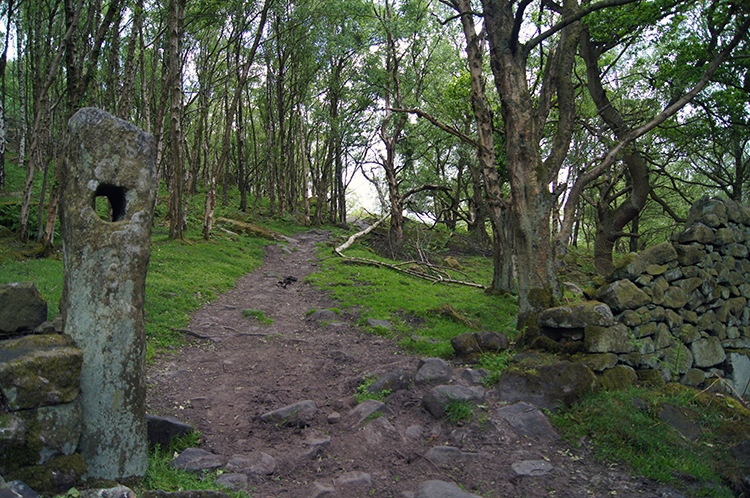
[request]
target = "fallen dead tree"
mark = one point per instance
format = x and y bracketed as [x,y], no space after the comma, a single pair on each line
[420,269]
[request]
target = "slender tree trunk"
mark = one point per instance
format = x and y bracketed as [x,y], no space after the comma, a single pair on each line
[176,207]
[3,65]
[124,105]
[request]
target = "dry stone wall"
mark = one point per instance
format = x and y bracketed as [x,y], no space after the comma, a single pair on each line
[678,311]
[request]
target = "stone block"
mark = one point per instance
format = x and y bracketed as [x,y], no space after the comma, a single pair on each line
[22,307]
[707,352]
[659,254]
[622,295]
[547,386]
[615,339]
[39,371]
[577,316]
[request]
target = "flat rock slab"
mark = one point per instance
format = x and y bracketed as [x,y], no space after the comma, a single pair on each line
[442,489]
[257,463]
[532,468]
[448,455]
[161,430]
[294,415]
[115,492]
[527,420]
[197,460]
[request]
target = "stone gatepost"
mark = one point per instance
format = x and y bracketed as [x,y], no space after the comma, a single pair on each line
[108,191]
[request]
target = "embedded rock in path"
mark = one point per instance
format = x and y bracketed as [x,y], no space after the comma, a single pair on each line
[441,489]
[257,463]
[197,460]
[368,408]
[161,430]
[353,480]
[392,381]
[376,430]
[323,316]
[681,419]
[384,324]
[294,415]
[22,307]
[315,443]
[532,468]
[527,420]
[432,370]
[547,386]
[472,345]
[233,482]
[439,397]
[448,455]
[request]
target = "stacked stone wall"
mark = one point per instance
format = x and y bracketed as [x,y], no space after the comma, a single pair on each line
[679,309]
[40,370]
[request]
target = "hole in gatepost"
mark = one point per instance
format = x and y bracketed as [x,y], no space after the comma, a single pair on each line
[109,202]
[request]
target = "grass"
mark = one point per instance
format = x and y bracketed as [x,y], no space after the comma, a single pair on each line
[496,363]
[459,411]
[413,305]
[362,393]
[259,315]
[621,432]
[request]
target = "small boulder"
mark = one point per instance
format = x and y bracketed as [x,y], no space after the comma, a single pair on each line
[432,370]
[197,460]
[441,489]
[439,397]
[547,386]
[161,430]
[577,316]
[294,415]
[527,420]
[622,295]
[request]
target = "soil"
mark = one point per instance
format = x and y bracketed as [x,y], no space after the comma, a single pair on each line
[235,368]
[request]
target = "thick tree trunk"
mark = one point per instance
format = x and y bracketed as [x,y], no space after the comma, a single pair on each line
[176,195]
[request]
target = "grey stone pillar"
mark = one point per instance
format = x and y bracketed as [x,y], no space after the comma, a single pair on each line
[106,257]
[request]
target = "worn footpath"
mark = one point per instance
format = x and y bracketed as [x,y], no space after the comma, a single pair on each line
[236,371]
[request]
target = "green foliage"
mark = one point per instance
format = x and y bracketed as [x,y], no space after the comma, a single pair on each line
[621,431]
[258,315]
[409,302]
[496,363]
[459,411]
[363,394]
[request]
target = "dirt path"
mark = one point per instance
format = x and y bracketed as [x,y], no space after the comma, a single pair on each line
[239,369]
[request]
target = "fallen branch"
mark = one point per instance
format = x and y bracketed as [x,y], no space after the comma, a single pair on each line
[346,245]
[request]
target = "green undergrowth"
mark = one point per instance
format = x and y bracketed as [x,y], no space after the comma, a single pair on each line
[416,307]
[161,476]
[624,426]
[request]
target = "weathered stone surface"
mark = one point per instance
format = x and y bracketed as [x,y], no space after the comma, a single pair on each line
[257,463]
[295,415]
[615,339]
[597,362]
[439,397]
[60,429]
[376,430]
[323,316]
[16,489]
[474,377]
[354,479]
[527,420]
[368,408]
[738,371]
[617,378]
[630,318]
[694,377]
[709,210]
[622,295]
[577,316]
[197,460]
[681,419]
[492,342]
[659,254]
[103,291]
[384,324]
[189,493]
[466,346]
[689,255]
[707,352]
[445,455]
[678,359]
[441,489]
[675,297]
[39,371]
[697,233]
[392,381]
[232,481]
[432,370]
[115,492]
[161,430]
[629,266]
[22,307]
[547,386]
[532,468]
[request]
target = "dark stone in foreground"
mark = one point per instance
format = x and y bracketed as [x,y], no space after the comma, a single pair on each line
[547,386]
[161,430]
[441,489]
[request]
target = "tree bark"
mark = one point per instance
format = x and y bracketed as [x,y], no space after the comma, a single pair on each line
[176,195]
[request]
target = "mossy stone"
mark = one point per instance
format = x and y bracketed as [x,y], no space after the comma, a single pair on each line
[597,362]
[650,378]
[54,477]
[617,378]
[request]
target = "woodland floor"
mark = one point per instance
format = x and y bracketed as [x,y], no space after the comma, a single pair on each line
[238,369]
